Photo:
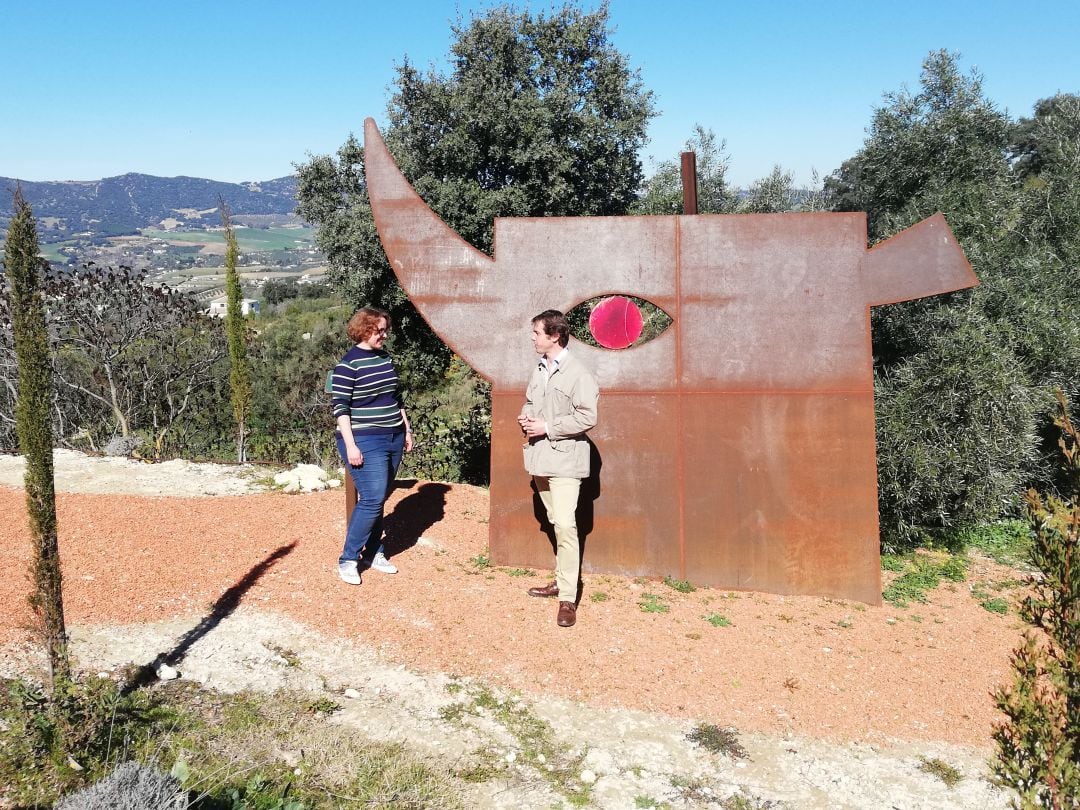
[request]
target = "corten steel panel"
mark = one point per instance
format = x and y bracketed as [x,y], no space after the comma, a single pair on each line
[809,529]
[736,449]
[631,538]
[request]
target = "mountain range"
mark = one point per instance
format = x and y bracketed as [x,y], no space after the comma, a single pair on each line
[124,204]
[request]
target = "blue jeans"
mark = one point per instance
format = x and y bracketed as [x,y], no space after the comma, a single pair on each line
[374,480]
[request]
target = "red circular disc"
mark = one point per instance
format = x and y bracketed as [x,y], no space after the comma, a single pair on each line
[616,322]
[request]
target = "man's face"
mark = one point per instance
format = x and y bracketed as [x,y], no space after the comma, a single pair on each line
[544,343]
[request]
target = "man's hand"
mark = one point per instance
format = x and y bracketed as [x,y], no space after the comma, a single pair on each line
[356,458]
[533,427]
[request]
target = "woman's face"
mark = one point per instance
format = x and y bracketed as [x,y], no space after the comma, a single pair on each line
[378,335]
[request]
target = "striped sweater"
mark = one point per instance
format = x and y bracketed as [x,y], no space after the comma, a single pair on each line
[366,387]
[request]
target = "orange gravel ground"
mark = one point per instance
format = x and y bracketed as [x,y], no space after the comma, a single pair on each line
[814,666]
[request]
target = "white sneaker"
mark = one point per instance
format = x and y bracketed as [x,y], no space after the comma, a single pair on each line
[380,563]
[348,573]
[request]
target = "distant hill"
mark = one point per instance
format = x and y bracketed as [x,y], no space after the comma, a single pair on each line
[118,205]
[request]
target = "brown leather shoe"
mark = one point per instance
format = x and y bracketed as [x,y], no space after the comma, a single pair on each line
[551,589]
[567,614]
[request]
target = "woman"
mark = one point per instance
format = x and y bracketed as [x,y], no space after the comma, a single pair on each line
[372,434]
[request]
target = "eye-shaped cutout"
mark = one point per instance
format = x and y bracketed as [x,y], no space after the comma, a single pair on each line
[617,321]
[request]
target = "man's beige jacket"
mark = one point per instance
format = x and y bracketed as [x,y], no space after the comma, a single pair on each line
[567,402]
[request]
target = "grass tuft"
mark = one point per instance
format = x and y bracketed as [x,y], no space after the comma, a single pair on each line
[680,585]
[650,603]
[942,770]
[718,740]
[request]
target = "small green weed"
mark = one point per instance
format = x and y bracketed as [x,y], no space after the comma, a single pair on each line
[481,561]
[650,603]
[290,658]
[845,623]
[647,802]
[692,792]
[942,770]
[744,801]
[717,620]
[322,705]
[680,585]
[893,562]
[599,596]
[996,605]
[517,572]
[717,739]
[922,573]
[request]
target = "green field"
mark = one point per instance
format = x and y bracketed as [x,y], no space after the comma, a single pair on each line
[252,240]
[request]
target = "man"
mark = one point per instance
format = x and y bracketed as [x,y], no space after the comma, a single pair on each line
[560,407]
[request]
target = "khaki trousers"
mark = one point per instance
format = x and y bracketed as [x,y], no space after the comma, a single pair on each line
[560,499]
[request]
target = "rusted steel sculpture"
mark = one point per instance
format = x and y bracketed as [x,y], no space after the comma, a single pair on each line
[734,450]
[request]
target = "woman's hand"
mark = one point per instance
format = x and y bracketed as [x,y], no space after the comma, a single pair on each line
[356,458]
[409,443]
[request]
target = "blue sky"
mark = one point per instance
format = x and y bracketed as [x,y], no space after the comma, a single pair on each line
[236,90]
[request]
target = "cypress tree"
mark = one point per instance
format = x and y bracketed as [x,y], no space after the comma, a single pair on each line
[239,375]
[34,428]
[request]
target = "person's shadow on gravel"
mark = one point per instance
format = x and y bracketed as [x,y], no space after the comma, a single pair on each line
[413,515]
[223,606]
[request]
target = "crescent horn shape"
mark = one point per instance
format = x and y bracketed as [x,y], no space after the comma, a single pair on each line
[453,285]
[417,242]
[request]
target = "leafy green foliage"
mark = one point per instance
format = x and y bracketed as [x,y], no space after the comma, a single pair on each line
[773,194]
[33,425]
[1007,542]
[651,603]
[1039,742]
[680,585]
[451,423]
[718,620]
[963,381]
[922,573]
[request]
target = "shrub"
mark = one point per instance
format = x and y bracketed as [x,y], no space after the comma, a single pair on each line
[131,786]
[1039,743]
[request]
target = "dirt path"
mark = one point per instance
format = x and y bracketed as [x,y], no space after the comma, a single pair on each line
[856,693]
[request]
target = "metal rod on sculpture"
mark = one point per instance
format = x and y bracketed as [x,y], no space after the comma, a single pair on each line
[689,183]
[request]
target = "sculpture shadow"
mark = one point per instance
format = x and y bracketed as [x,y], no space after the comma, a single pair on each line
[223,606]
[586,508]
[413,515]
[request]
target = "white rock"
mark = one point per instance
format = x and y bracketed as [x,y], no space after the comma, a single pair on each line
[306,477]
[587,777]
[167,673]
[351,694]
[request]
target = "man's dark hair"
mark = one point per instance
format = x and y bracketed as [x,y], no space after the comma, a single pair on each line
[555,324]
